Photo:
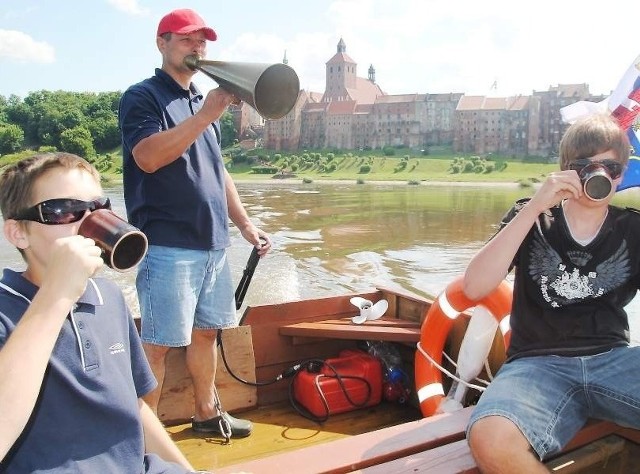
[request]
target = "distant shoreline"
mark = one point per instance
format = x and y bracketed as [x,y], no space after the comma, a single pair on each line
[380,182]
[112,181]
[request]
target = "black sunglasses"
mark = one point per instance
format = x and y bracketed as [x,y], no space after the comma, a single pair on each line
[61,211]
[614,169]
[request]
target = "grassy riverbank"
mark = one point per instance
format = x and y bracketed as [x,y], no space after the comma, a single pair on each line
[418,170]
[357,168]
[403,165]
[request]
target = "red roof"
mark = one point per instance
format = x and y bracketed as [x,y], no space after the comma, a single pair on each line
[341,58]
[341,107]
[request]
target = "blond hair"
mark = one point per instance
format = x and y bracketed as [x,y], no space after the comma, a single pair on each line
[591,136]
[18,179]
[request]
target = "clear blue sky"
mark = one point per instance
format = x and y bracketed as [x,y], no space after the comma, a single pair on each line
[425,46]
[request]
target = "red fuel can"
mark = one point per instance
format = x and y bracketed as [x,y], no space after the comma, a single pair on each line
[351,381]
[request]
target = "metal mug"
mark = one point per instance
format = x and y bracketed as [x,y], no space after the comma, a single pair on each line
[596,182]
[123,245]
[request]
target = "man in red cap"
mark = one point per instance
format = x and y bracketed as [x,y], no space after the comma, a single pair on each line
[178,191]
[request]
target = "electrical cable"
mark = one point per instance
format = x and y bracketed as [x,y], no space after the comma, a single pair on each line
[340,378]
[289,372]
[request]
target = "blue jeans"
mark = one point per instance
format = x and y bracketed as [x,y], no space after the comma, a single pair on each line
[549,398]
[180,290]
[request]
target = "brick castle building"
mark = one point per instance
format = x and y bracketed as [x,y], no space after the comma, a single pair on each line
[355,113]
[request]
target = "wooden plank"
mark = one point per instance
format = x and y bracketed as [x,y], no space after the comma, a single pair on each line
[405,304]
[365,450]
[177,401]
[591,431]
[382,322]
[456,458]
[354,331]
[604,455]
[310,309]
[629,434]
[453,458]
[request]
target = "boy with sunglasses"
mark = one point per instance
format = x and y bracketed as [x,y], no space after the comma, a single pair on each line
[577,265]
[71,363]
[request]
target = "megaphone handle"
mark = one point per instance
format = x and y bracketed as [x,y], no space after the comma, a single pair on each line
[247,274]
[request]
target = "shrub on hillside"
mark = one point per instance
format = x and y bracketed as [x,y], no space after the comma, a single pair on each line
[401,166]
[239,158]
[47,149]
[264,169]
[388,151]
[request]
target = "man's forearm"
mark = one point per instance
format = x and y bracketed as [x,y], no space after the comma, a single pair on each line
[162,148]
[157,440]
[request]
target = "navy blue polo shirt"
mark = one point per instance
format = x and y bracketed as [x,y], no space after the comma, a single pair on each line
[87,416]
[184,203]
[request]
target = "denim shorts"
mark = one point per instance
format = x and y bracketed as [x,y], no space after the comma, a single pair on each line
[180,290]
[549,398]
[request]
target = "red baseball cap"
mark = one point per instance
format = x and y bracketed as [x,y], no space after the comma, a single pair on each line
[184,22]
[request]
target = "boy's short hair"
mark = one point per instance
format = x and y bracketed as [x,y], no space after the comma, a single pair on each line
[593,135]
[17,180]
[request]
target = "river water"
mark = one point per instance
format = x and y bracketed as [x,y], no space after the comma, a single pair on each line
[338,238]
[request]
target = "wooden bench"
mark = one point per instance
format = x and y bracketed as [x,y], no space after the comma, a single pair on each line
[436,445]
[392,330]
[447,459]
[364,450]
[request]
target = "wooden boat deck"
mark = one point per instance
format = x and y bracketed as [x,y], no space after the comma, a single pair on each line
[384,438]
[278,429]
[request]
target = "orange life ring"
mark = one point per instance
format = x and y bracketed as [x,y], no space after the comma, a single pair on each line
[435,328]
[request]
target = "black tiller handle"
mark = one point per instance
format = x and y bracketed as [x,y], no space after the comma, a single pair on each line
[247,274]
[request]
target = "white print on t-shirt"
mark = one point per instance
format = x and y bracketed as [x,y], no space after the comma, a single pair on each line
[562,282]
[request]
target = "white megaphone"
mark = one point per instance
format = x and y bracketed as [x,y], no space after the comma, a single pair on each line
[368,310]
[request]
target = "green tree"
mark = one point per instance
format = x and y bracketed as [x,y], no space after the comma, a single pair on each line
[227,129]
[3,110]
[11,138]
[45,115]
[105,132]
[78,140]
[18,113]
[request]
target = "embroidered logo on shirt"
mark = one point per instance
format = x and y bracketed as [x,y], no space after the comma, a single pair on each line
[560,284]
[116,348]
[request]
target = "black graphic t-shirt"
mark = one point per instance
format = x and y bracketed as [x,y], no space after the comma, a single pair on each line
[569,298]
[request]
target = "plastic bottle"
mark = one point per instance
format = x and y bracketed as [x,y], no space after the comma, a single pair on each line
[395,383]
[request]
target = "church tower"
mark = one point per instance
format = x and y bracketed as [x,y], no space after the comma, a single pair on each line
[341,74]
